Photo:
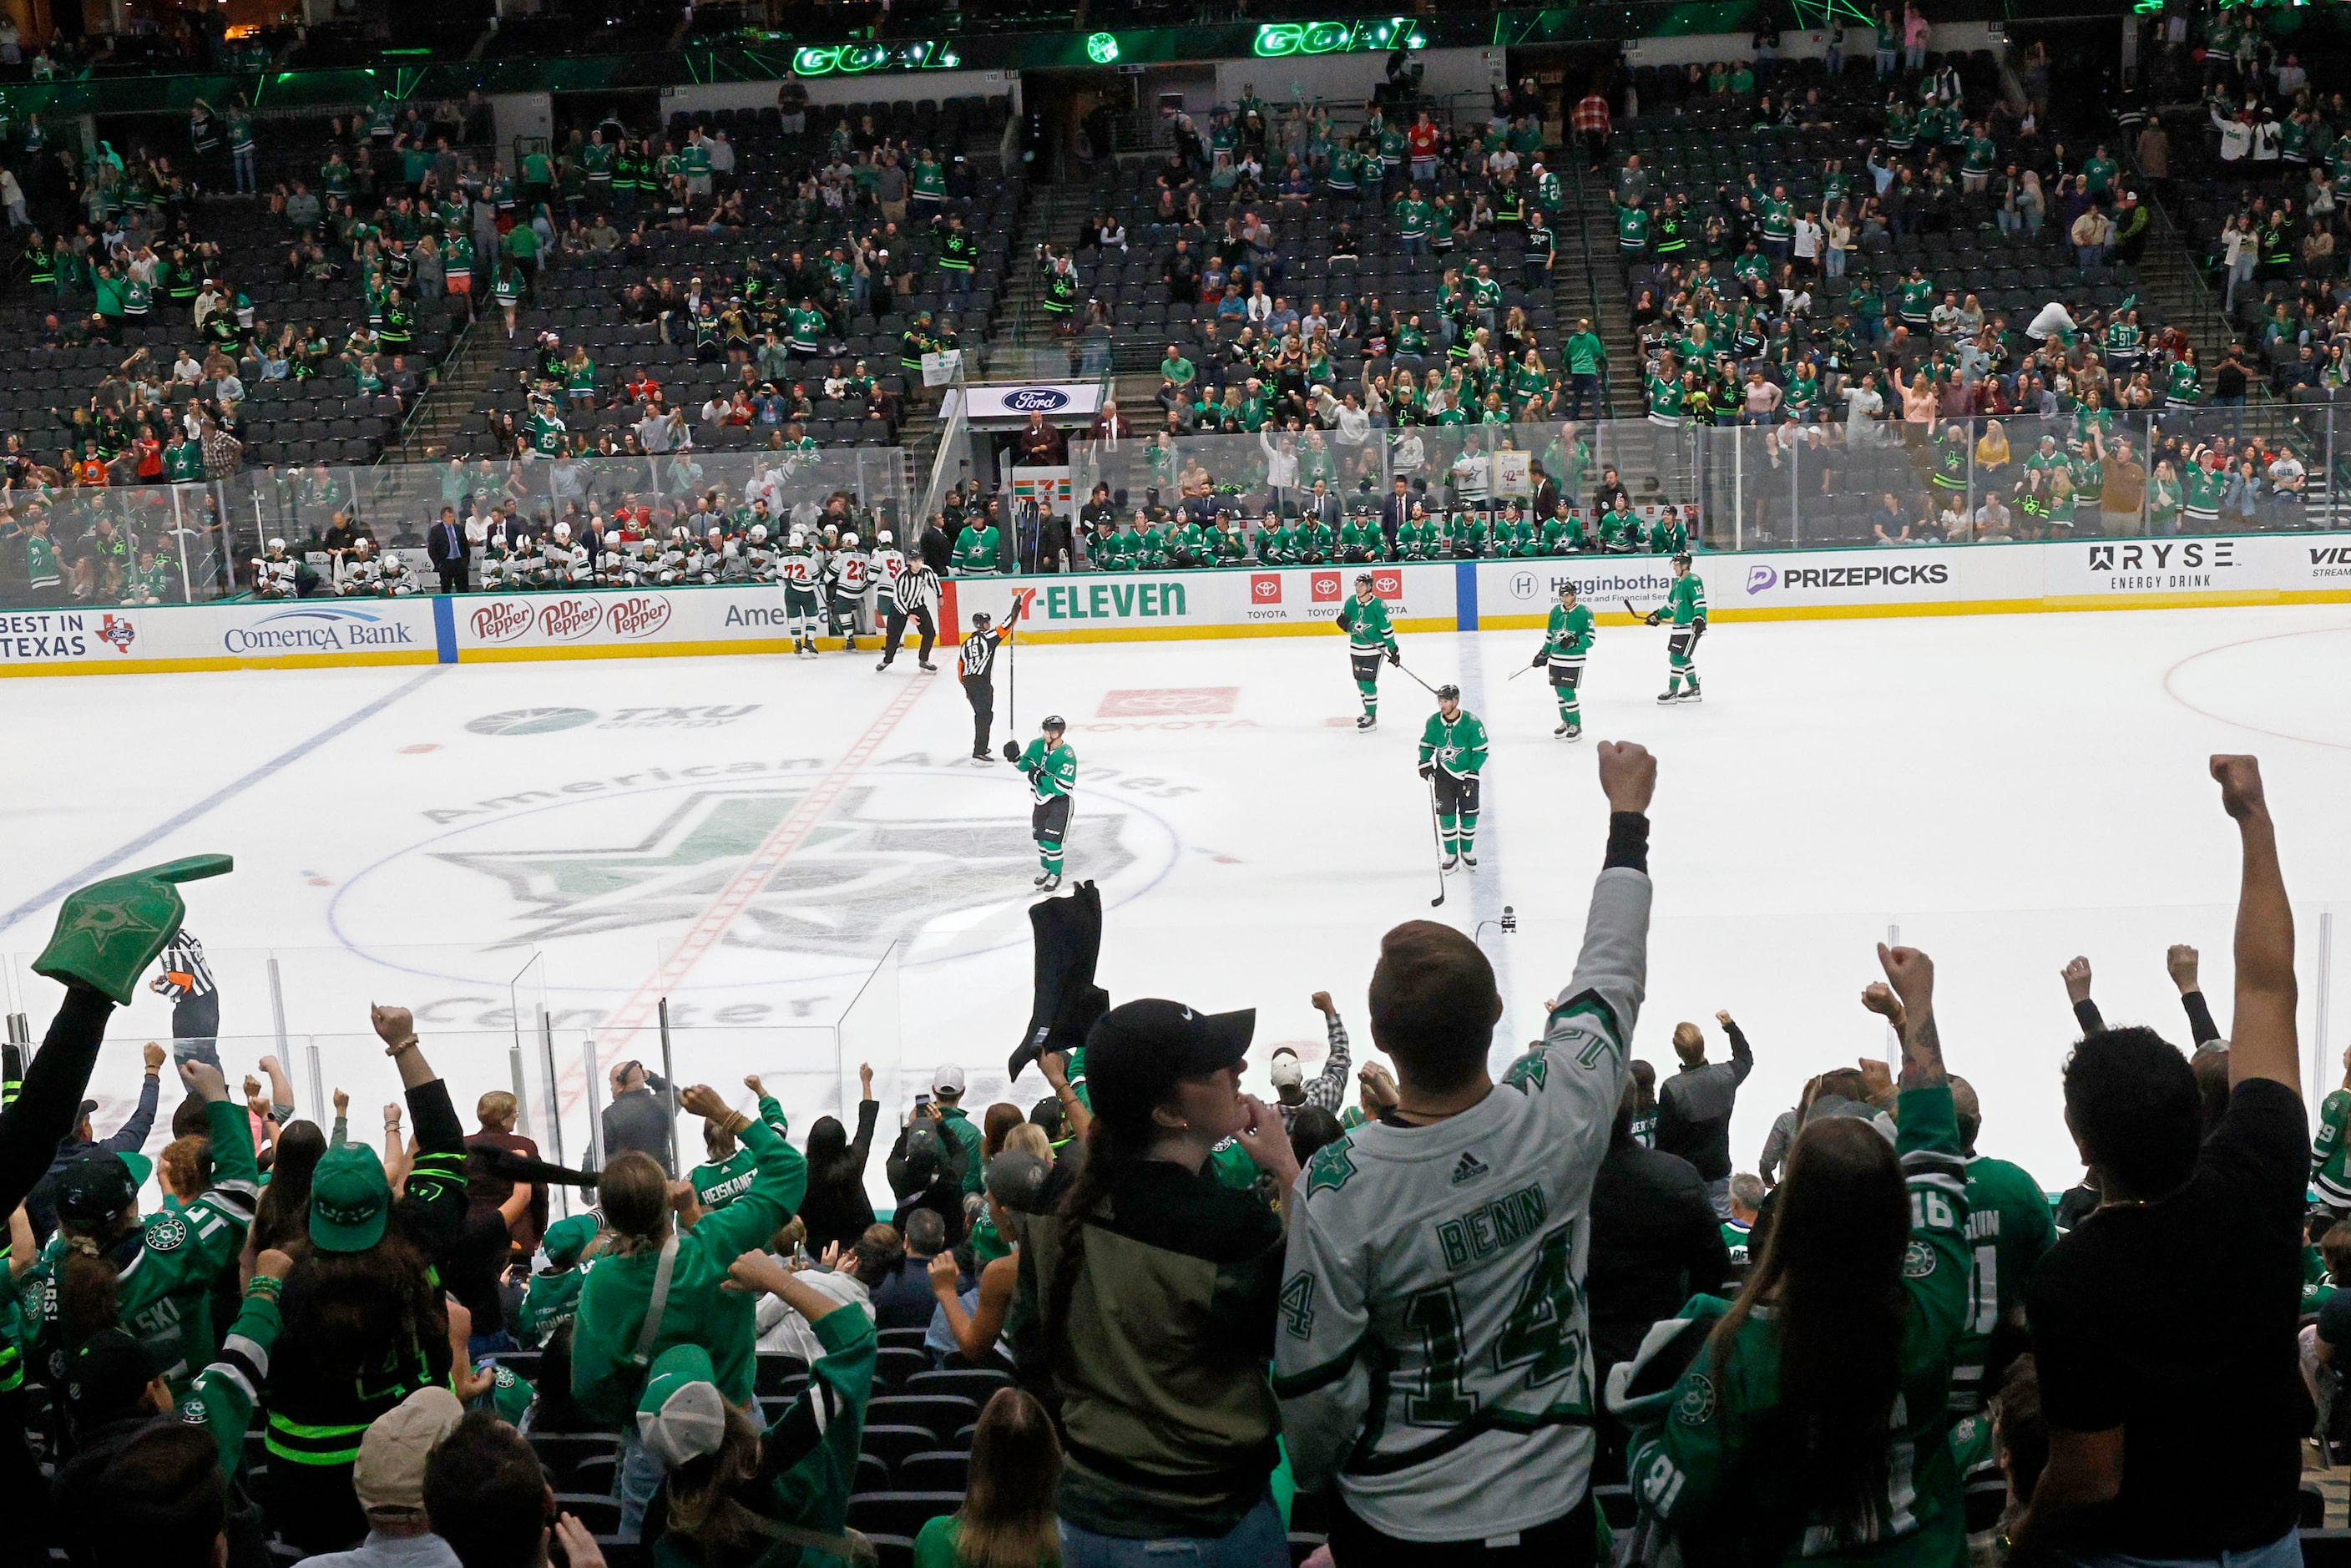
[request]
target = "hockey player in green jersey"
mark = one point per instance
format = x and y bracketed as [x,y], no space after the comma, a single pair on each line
[731,1167]
[1565,643]
[1452,751]
[1053,771]
[2330,1151]
[1364,619]
[1686,602]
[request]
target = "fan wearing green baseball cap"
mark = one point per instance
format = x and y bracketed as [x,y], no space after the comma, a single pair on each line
[658,1286]
[731,1494]
[366,1323]
[153,1276]
[552,1297]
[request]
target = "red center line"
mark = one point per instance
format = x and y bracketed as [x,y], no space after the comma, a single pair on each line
[749,878]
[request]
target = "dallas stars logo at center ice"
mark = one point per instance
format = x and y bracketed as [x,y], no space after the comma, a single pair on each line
[1453,744]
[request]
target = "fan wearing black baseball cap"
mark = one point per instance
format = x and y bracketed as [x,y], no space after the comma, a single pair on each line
[155,1274]
[1155,1290]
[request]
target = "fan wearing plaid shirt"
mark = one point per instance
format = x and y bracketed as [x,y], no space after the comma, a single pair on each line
[1588,119]
[1293,1093]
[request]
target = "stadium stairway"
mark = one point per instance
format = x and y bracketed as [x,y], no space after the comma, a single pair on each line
[464,384]
[1587,281]
[1052,214]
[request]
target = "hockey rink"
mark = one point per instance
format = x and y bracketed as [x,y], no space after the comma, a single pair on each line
[799,855]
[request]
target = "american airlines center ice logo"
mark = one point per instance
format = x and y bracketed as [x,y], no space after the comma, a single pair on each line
[1035,400]
[880,865]
[1759,578]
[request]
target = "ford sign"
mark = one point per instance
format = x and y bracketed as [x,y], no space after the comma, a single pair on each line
[1035,400]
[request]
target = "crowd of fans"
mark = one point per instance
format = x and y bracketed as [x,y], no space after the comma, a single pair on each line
[1537,1319]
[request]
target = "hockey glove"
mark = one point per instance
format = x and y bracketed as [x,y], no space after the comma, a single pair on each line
[1396,657]
[1540,654]
[1654,616]
[1701,624]
[1011,751]
[1428,770]
[108,932]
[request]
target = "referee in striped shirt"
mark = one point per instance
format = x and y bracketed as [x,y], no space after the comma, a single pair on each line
[913,597]
[195,999]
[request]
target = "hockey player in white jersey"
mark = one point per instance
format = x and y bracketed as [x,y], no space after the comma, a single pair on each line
[359,573]
[676,553]
[527,564]
[845,579]
[1432,1354]
[709,560]
[884,562]
[802,584]
[274,572]
[758,554]
[395,579]
[565,563]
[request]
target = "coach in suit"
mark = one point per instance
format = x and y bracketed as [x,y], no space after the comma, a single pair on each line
[1395,513]
[1324,508]
[1546,497]
[445,548]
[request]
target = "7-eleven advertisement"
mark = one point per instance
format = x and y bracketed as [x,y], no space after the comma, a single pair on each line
[1231,602]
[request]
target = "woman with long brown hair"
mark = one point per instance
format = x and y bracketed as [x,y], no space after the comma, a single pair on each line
[1006,1518]
[1812,1421]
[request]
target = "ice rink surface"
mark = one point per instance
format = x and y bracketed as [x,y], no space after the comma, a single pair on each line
[778,844]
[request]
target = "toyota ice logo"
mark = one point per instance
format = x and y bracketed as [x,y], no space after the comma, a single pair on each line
[1037,400]
[1759,578]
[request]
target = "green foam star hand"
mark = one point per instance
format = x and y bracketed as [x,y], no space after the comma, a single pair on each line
[108,932]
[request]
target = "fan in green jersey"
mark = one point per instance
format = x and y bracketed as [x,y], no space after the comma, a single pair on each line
[1566,641]
[1364,619]
[1452,751]
[1053,771]
[1807,1423]
[1686,602]
[731,1168]
[2009,1230]
[2330,1151]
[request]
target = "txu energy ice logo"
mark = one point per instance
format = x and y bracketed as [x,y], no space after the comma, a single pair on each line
[317,629]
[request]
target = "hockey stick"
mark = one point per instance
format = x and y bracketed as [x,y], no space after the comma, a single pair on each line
[1637,615]
[1435,838]
[1423,684]
[1012,660]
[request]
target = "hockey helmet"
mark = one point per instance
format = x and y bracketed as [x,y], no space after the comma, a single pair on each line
[1682,558]
[278,545]
[1567,587]
[678,535]
[1448,691]
[1053,722]
[849,541]
[563,530]
[883,537]
[364,543]
[758,533]
[1362,579]
[797,539]
[981,621]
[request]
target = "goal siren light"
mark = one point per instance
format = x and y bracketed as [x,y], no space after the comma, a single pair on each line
[858,59]
[1278,40]
[1103,48]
